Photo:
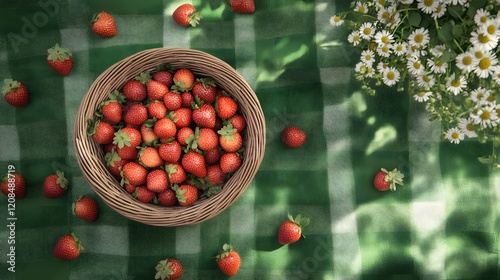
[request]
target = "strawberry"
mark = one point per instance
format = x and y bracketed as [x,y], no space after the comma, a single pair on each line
[68,247]
[149,157]
[215,174]
[230,139]
[164,77]
[172,100]
[238,122]
[157,181]
[137,114]
[135,90]
[112,108]
[134,174]
[102,132]
[148,136]
[186,15]
[181,117]
[183,134]
[157,109]
[230,162]
[207,139]
[290,231]
[15,93]
[204,89]
[387,180]
[85,208]
[167,198]
[55,185]
[183,80]
[228,260]
[60,59]
[142,194]
[127,136]
[176,173]
[156,90]
[168,269]
[129,188]
[128,153]
[114,162]
[194,163]
[186,194]
[165,128]
[187,99]
[219,124]
[212,156]
[293,137]
[226,107]
[103,24]
[170,151]
[242,6]
[204,116]
[13,183]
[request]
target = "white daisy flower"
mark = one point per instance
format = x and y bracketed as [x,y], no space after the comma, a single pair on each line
[354,38]
[466,61]
[486,65]
[496,74]
[483,41]
[425,80]
[438,50]
[454,85]
[369,72]
[437,65]
[427,6]
[384,50]
[384,15]
[464,3]
[491,27]
[416,51]
[406,2]
[419,37]
[481,16]
[368,57]
[336,21]
[390,76]
[367,30]
[422,96]
[454,135]
[414,66]
[400,48]
[439,12]
[479,95]
[381,66]
[467,127]
[361,7]
[485,116]
[360,67]
[384,37]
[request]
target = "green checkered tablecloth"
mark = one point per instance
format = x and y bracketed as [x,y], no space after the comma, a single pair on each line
[443,224]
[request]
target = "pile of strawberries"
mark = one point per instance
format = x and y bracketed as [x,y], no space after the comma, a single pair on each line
[170,137]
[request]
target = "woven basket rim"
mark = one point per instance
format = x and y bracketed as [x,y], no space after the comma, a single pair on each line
[90,155]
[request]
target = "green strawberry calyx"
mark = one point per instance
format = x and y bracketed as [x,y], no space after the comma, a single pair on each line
[194,18]
[163,270]
[179,193]
[226,249]
[121,139]
[61,180]
[112,157]
[394,177]
[10,85]
[144,77]
[57,53]
[73,205]
[300,221]
[228,132]
[206,82]
[77,242]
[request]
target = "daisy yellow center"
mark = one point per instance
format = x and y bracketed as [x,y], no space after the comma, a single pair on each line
[483,39]
[469,127]
[479,54]
[355,38]
[456,83]
[421,94]
[416,65]
[492,29]
[439,9]
[361,9]
[385,40]
[480,96]
[391,75]
[483,19]
[485,115]
[368,57]
[438,62]
[399,48]
[490,98]
[467,60]
[381,2]
[426,78]
[385,49]
[484,63]
[455,135]
[372,46]
[385,15]
[419,38]
[336,18]
[428,3]
[369,70]
[367,31]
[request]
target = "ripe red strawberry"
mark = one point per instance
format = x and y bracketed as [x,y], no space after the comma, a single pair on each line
[156,90]
[207,139]
[150,158]
[15,93]
[13,183]
[230,162]
[114,162]
[212,156]
[230,139]
[204,89]
[181,117]
[293,137]
[157,181]
[238,122]
[55,185]
[129,188]
[142,194]
[183,134]
[103,24]
[168,269]
[176,173]
[228,260]
[60,59]
[86,208]
[183,80]
[187,99]
[170,151]
[165,128]
[164,77]
[167,198]
[194,163]
[68,247]
[102,132]
[128,153]
[186,15]
[172,100]
[226,107]
[387,180]
[186,194]
[242,6]
[147,133]
[290,231]
[137,114]
[127,136]
[134,174]
[135,90]
[204,116]
[157,109]
[215,175]
[112,108]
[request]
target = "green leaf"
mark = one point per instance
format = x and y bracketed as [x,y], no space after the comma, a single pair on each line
[457,31]
[448,56]
[456,11]
[359,17]
[477,4]
[445,32]
[415,19]
[486,160]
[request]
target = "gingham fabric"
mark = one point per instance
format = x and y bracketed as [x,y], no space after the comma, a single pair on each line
[443,224]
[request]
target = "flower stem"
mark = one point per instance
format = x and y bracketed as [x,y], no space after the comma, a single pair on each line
[458,45]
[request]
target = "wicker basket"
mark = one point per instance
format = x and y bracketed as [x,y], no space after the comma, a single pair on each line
[91,156]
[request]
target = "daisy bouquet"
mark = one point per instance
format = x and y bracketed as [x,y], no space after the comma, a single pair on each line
[442,52]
